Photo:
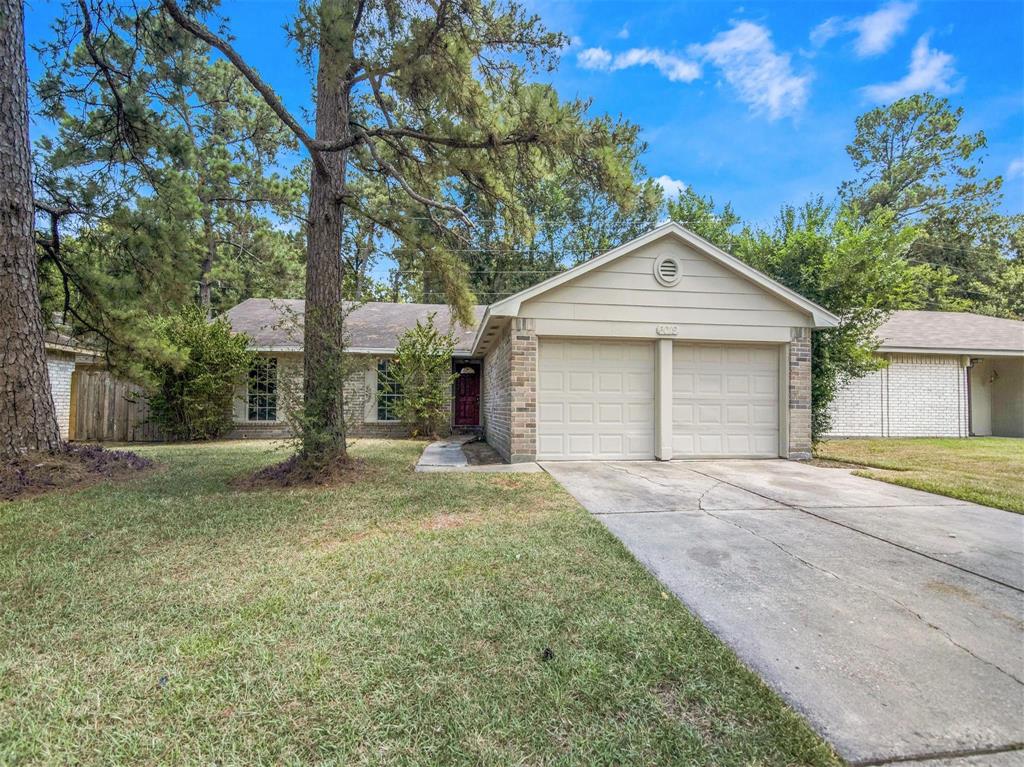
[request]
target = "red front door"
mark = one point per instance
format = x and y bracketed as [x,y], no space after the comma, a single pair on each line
[467,394]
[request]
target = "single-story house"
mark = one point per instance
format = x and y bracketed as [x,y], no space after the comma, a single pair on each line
[665,347]
[949,374]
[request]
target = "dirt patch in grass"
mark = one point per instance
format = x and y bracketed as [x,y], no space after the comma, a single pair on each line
[449,521]
[74,467]
[827,463]
[479,453]
[295,473]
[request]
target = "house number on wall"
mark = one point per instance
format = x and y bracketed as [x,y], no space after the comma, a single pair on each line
[667,330]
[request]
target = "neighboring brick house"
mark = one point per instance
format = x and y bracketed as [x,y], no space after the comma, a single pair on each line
[63,356]
[666,347]
[948,374]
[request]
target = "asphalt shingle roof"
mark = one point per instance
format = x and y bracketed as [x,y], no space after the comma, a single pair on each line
[276,323]
[951,331]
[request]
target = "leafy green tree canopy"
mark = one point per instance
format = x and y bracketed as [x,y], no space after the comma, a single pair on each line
[914,161]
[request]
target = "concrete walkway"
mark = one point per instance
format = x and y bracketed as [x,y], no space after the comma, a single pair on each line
[447,455]
[891,618]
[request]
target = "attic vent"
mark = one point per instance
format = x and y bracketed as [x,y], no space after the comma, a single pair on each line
[667,270]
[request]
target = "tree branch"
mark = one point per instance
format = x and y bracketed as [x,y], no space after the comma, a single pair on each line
[426,201]
[271,99]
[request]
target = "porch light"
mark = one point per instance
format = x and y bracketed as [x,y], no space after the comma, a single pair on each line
[467,371]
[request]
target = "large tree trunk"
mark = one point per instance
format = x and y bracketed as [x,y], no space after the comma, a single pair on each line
[324,428]
[27,419]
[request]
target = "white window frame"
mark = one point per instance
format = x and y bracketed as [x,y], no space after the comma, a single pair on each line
[391,397]
[274,396]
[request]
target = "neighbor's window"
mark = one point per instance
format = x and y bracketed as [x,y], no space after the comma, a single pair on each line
[263,390]
[388,391]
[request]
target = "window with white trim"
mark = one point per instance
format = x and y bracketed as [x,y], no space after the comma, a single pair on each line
[388,391]
[262,393]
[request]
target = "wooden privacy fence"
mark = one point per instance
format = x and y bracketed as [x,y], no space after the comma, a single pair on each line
[105,409]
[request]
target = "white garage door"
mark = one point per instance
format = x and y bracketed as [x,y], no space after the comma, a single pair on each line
[595,400]
[725,401]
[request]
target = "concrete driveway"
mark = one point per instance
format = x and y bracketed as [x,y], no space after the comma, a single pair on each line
[892,619]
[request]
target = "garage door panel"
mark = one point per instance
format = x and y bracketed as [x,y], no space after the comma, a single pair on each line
[640,414]
[580,382]
[725,400]
[606,390]
[554,381]
[551,412]
[709,383]
[581,412]
[683,382]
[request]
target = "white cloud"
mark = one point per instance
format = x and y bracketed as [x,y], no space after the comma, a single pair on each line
[594,58]
[623,34]
[1013,171]
[671,186]
[672,66]
[877,31]
[930,70]
[763,78]
[831,27]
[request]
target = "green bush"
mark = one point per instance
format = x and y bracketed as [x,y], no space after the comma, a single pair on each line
[423,371]
[192,395]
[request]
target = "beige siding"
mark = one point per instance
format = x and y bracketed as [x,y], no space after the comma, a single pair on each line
[623,299]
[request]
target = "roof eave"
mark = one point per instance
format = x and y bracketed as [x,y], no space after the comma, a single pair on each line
[950,350]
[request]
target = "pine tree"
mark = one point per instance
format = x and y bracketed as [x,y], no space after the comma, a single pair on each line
[27,418]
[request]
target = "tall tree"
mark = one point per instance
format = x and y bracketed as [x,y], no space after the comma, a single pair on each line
[913,159]
[27,418]
[154,124]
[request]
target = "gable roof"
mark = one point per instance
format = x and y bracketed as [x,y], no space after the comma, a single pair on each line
[951,333]
[509,307]
[275,324]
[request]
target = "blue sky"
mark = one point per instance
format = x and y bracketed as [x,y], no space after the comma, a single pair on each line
[752,103]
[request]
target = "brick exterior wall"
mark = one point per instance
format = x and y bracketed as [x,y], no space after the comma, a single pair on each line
[60,366]
[923,395]
[497,395]
[800,394]
[523,363]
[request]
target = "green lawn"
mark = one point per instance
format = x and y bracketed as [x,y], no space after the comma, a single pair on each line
[401,619]
[986,470]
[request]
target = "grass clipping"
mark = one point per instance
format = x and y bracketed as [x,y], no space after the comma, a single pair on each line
[72,467]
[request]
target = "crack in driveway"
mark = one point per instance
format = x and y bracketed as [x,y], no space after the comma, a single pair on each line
[871,590]
[883,539]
